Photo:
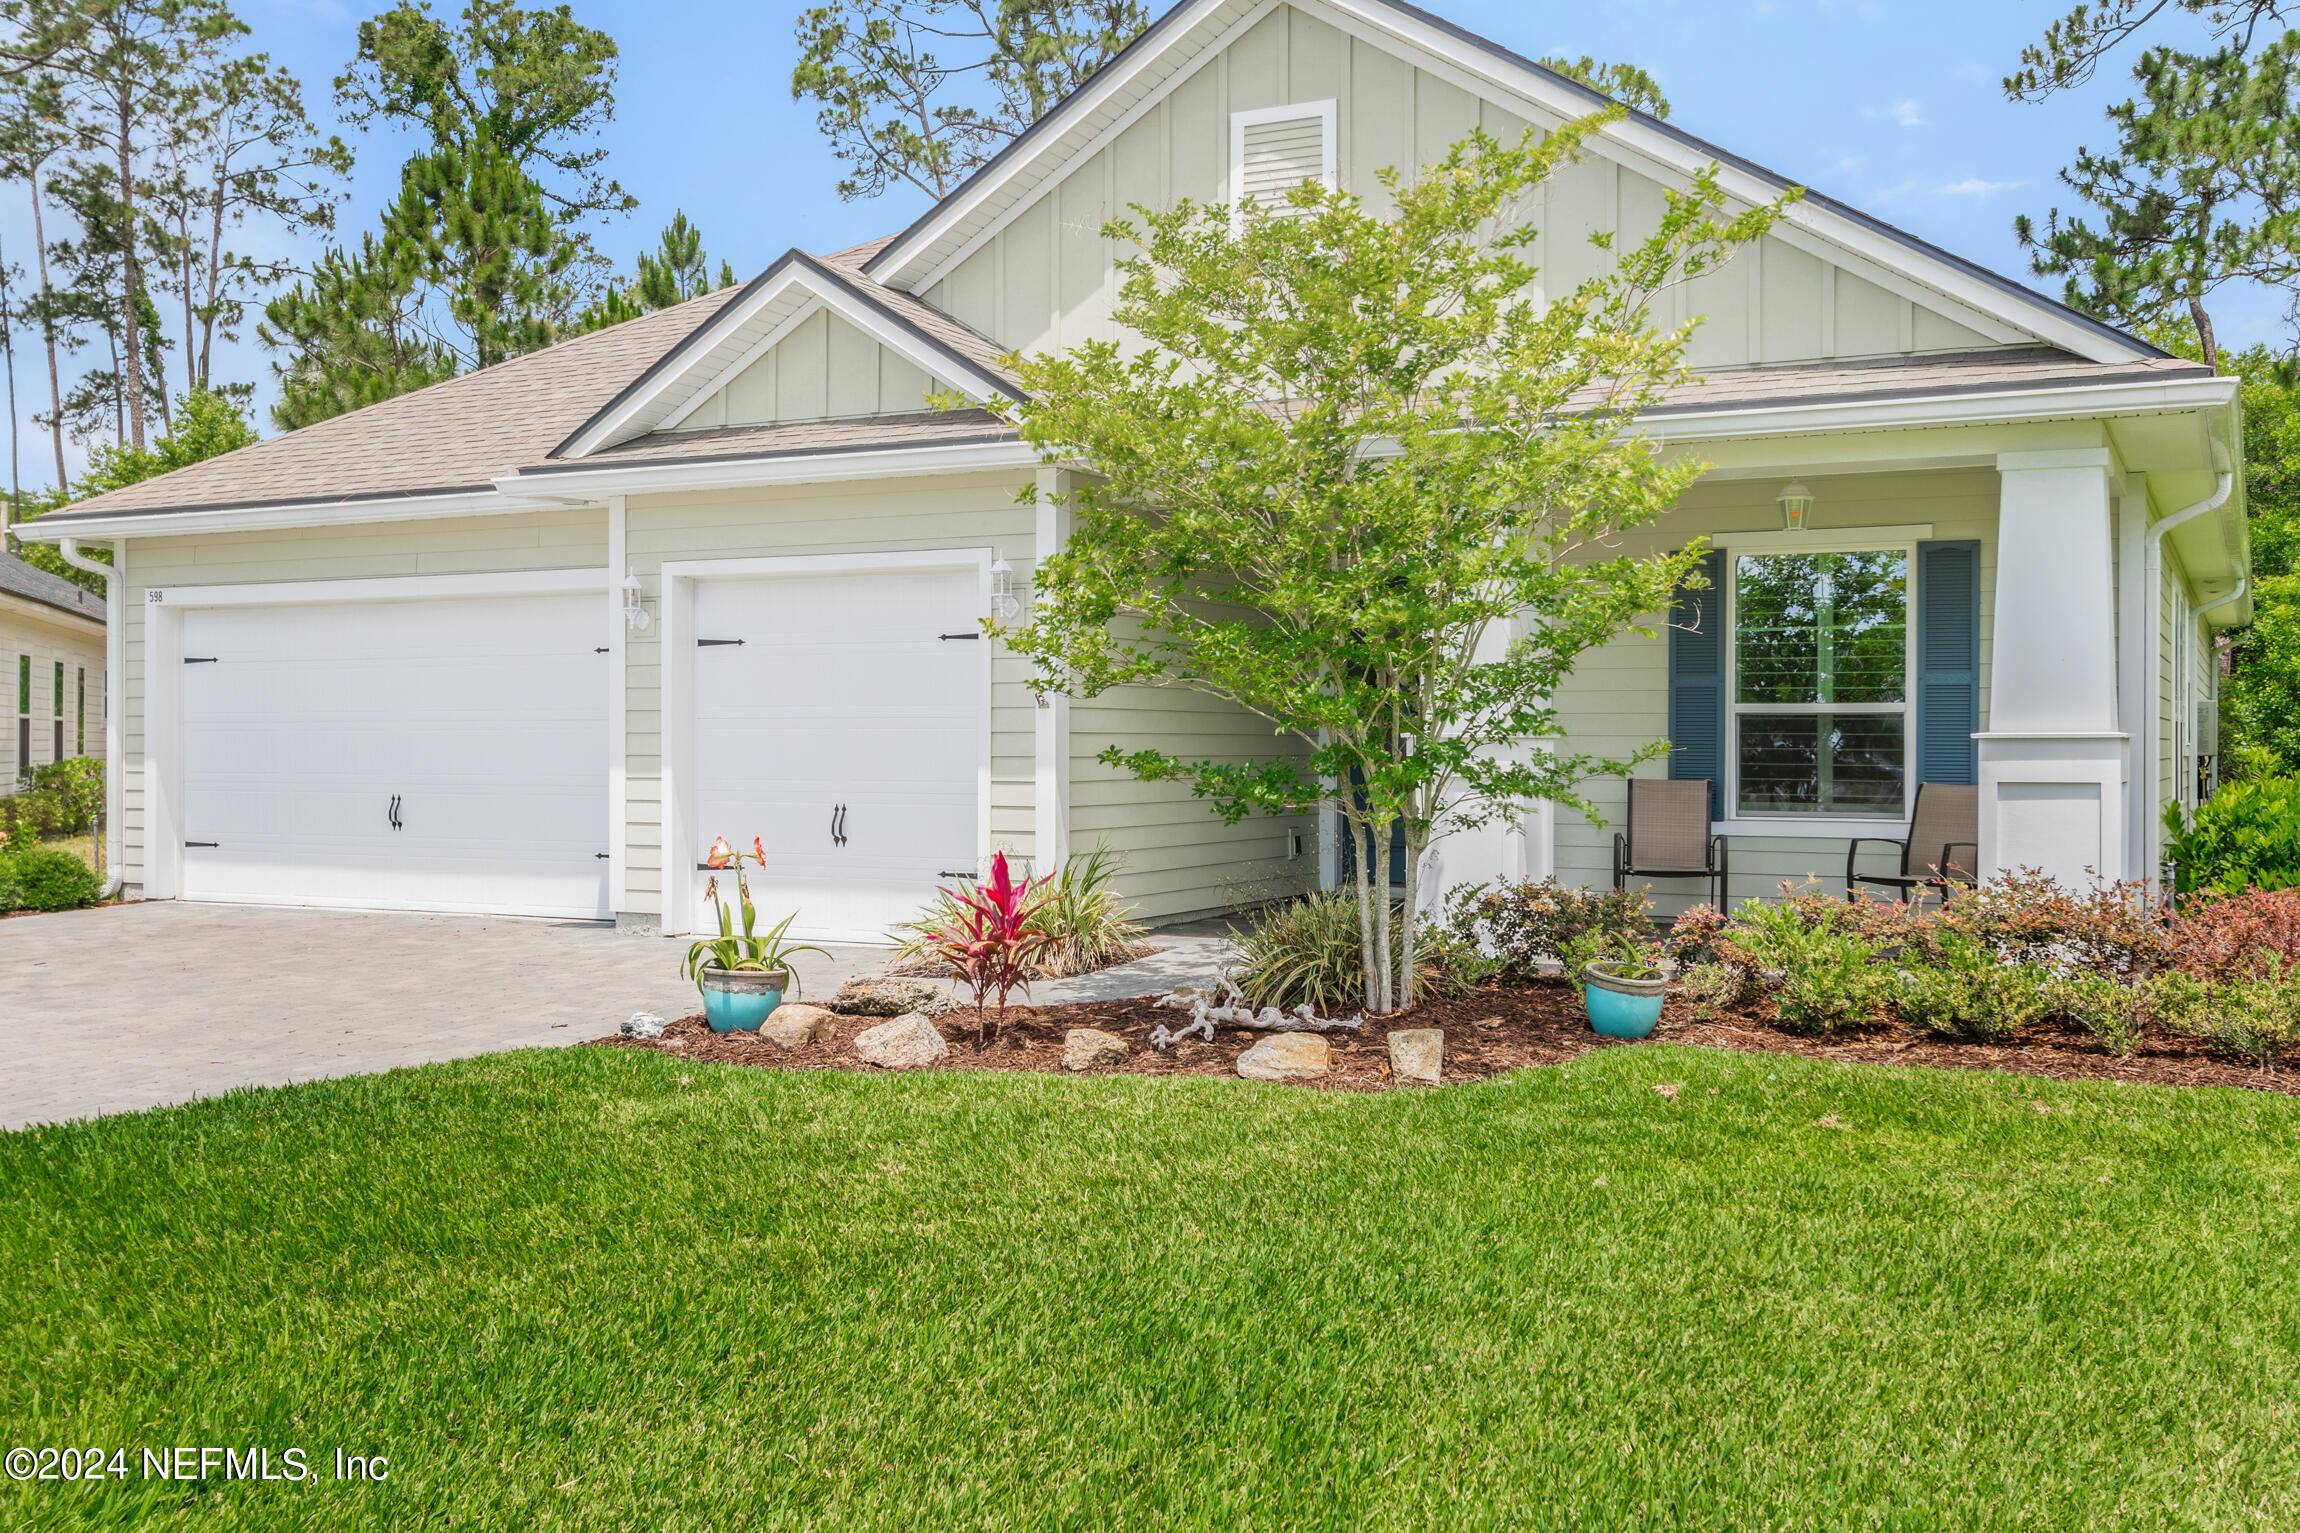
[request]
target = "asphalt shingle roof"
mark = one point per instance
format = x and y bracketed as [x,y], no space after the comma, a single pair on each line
[20,579]
[456,435]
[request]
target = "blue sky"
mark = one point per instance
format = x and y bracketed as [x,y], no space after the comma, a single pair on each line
[1894,108]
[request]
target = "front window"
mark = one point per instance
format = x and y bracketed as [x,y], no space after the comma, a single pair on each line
[1821,682]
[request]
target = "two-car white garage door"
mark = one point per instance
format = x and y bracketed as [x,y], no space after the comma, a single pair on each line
[453,753]
[414,755]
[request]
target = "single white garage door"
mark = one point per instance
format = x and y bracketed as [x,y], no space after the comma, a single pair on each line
[842,720]
[412,755]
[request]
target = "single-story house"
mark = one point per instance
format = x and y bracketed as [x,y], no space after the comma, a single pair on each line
[52,671]
[529,640]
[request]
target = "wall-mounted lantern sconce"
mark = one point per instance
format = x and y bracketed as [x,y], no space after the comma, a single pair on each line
[635,615]
[1004,604]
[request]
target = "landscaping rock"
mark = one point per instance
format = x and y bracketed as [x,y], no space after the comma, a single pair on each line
[1417,1056]
[796,1026]
[643,1024]
[1286,1057]
[909,1042]
[889,997]
[1087,1048]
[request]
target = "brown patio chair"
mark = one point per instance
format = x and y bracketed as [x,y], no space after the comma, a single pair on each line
[1667,835]
[1943,846]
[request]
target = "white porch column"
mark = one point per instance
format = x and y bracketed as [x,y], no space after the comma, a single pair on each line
[2052,758]
[1050,801]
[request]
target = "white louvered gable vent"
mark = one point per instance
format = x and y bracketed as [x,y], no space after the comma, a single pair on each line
[1277,148]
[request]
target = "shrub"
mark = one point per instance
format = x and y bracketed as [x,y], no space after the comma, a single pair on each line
[2254,935]
[1517,922]
[48,878]
[63,799]
[2026,917]
[1693,936]
[1712,985]
[2257,1018]
[1080,916]
[1309,949]
[1822,978]
[2114,1013]
[2247,836]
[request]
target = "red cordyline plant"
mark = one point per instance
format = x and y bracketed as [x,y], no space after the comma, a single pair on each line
[987,941]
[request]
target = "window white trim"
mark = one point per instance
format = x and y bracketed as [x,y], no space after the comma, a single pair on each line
[1325,113]
[1825,540]
[1834,541]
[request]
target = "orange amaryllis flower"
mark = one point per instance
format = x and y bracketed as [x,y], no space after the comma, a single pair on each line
[759,850]
[721,854]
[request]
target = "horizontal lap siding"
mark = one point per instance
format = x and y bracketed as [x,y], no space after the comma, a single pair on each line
[546,540]
[1180,860]
[1617,698]
[960,512]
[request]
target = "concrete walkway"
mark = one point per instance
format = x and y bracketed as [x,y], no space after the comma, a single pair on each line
[137,1006]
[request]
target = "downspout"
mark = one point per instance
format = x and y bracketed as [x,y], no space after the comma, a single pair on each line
[2148,755]
[115,687]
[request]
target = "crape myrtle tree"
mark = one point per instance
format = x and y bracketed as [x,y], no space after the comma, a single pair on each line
[1357,474]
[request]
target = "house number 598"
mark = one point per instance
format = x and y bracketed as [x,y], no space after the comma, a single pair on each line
[155,597]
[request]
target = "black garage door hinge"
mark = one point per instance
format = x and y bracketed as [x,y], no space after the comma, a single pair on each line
[714,643]
[199,660]
[199,843]
[960,636]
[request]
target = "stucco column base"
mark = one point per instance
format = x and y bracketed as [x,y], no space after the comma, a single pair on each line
[639,923]
[2054,802]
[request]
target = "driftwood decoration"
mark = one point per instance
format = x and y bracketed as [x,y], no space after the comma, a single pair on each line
[1235,1013]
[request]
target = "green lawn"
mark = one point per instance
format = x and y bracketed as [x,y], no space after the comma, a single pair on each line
[598,1289]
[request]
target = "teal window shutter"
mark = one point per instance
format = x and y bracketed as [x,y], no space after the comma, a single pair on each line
[1697,683]
[1948,661]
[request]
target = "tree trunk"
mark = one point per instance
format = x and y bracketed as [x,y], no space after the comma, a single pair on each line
[1360,860]
[48,332]
[15,475]
[132,341]
[2205,340]
[1382,1001]
[1409,920]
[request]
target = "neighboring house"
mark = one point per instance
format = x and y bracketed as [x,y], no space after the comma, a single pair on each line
[528,640]
[52,671]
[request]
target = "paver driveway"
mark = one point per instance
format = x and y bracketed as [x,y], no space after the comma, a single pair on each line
[137,1005]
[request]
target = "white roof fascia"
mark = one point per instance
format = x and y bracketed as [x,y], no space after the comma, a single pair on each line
[1825,418]
[798,468]
[1894,264]
[674,392]
[329,513]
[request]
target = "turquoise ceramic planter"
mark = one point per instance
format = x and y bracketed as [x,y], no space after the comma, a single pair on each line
[738,1000]
[1621,1008]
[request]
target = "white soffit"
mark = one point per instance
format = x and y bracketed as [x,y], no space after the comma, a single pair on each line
[1194,33]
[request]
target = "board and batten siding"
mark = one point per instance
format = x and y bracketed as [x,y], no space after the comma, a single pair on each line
[1617,698]
[544,540]
[1047,278]
[823,369]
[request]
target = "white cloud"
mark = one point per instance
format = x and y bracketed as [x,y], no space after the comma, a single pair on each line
[1904,112]
[1977,189]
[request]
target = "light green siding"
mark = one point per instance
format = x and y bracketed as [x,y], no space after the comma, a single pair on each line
[823,368]
[1044,279]
[1618,697]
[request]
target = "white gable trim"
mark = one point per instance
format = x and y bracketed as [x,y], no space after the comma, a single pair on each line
[673,393]
[1897,262]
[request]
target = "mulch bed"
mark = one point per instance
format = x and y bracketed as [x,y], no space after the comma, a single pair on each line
[1486,1033]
